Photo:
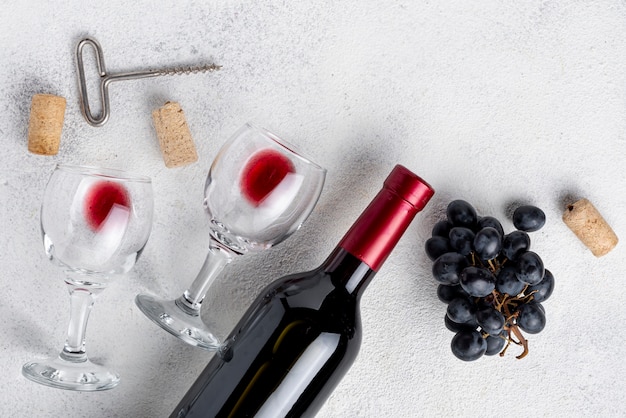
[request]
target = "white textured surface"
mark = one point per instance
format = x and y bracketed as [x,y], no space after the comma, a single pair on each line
[495,102]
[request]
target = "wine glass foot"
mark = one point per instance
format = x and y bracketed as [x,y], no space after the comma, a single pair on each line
[63,374]
[183,324]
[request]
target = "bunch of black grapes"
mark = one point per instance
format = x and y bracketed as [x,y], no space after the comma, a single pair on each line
[492,283]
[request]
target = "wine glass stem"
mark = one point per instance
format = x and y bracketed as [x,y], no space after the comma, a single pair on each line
[217,258]
[81,302]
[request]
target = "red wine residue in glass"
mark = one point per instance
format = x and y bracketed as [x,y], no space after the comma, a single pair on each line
[101,198]
[263,173]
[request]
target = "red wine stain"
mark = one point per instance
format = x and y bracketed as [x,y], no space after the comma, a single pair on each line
[263,172]
[100,199]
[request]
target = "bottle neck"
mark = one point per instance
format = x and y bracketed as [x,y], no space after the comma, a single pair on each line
[379,228]
[370,240]
[348,272]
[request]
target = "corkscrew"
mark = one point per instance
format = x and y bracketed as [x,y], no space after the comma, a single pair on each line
[106,79]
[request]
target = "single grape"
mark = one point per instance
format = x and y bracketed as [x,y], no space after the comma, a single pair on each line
[461,310]
[544,288]
[490,320]
[441,229]
[507,281]
[436,246]
[531,317]
[446,293]
[487,243]
[514,244]
[530,268]
[477,281]
[448,267]
[461,239]
[529,218]
[461,213]
[492,222]
[541,308]
[495,344]
[456,327]
[468,345]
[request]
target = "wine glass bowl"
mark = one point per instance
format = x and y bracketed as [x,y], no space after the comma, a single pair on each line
[106,226]
[259,191]
[95,222]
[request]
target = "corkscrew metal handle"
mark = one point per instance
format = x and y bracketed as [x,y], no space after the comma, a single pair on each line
[106,79]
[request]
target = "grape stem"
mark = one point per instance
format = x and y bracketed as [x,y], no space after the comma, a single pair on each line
[499,303]
[492,264]
[522,340]
[508,343]
[503,303]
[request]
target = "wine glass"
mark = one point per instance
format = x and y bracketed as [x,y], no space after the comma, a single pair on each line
[259,191]
[95,223]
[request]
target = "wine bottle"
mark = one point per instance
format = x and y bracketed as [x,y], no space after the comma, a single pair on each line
[302,333]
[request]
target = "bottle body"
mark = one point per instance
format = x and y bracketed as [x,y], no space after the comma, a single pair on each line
[289,350]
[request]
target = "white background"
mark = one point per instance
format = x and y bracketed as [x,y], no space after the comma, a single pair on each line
[495,102]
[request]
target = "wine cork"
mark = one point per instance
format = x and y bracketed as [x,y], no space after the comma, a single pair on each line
[47,113]
[177,146]
[590,227]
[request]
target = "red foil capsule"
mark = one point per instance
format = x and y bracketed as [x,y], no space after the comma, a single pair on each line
[381,225]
